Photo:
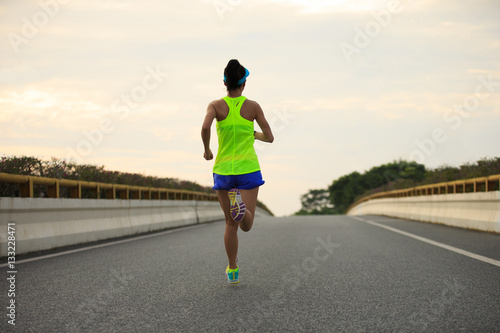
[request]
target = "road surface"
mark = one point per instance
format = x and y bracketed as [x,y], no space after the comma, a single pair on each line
[297,274]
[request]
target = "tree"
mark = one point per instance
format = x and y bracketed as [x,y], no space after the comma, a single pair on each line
[345,190]
[316,202]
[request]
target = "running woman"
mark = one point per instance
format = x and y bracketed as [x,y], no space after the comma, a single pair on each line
[236,171]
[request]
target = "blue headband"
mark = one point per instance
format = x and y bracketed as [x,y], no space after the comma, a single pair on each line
[243,79]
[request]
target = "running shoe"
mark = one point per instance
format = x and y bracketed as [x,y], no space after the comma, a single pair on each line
[233,275]
[238,207]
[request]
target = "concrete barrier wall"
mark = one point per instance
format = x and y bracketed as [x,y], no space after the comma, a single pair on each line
[479,211]
[44,223]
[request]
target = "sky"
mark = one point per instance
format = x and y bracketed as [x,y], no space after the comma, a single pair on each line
[345,85]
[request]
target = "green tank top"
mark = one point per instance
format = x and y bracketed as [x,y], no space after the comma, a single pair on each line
[236,154]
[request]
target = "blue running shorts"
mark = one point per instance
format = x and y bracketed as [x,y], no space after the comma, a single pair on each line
[247,181]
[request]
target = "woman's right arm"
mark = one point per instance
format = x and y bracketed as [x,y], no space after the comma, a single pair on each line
[267,134]
[205,132]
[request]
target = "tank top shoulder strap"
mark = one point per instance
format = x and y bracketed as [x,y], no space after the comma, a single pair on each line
[234,104]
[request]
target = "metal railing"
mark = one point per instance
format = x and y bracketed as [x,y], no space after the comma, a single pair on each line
[480,184]
[111,191]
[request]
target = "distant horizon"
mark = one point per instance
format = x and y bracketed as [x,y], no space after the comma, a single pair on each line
[322,188]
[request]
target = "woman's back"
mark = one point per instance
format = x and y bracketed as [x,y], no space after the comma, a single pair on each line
[248,109]
[236,154]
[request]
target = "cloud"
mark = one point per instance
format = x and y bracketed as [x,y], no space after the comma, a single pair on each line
[328,6]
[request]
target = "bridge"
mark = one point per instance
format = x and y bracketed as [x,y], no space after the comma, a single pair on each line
[342,273]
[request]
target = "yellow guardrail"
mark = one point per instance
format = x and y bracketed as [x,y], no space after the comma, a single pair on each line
[480,184]
[112,191]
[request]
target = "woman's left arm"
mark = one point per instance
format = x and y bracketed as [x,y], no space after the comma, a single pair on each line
[267,134]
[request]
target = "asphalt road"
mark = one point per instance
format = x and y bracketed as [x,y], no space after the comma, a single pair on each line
[297,274]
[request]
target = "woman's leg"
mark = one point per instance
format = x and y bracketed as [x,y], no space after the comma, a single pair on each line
[249,197]
[231,232]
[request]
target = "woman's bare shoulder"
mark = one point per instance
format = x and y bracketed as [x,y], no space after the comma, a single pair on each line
[217,102]
[220,107]
[253,105]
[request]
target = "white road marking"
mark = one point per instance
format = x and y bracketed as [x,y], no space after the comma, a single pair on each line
[441,245]
[101,245]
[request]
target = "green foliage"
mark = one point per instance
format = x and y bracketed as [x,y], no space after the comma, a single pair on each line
[22,165]
[347,189]
[61,169]
[316,202]
[445,173]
